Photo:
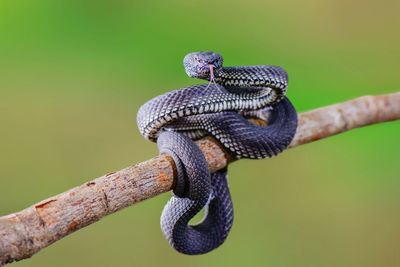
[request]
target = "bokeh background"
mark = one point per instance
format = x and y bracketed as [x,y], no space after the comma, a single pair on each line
[74,73]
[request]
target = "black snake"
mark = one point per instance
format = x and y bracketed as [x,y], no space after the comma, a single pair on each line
[220,109]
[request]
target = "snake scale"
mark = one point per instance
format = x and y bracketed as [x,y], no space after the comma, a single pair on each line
[221,109]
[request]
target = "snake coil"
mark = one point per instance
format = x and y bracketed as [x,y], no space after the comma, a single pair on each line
[220,109]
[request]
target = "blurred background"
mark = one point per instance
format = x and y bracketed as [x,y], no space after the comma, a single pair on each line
[74,73]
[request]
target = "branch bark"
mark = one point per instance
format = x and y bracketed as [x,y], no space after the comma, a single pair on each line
[24,233]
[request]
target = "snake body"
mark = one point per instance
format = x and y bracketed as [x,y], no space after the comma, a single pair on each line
[221,110]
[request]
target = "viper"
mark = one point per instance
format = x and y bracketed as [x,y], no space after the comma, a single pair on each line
[221,109]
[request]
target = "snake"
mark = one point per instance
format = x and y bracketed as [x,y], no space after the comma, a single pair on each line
[220,108]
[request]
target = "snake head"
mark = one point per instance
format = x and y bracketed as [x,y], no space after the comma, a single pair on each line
[201,64]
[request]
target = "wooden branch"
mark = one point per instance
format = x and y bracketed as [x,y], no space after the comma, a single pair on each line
[24,233]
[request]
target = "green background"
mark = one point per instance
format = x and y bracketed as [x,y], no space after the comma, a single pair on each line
[74,73]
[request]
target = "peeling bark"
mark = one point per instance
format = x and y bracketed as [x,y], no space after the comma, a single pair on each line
[24,233]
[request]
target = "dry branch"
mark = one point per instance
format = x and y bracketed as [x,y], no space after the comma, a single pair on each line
[24,233]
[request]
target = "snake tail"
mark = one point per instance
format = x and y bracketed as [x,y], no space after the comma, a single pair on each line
[197,189]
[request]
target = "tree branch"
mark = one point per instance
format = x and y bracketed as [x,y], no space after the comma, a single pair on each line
[24,233]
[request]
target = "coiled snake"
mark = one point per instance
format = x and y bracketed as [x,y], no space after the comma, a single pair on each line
[219,109]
